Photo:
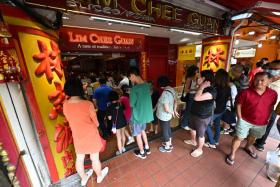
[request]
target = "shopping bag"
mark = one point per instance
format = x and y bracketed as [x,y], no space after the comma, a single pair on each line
[273,164]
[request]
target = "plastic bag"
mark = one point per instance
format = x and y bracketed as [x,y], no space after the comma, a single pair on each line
[273,165]
[114,128]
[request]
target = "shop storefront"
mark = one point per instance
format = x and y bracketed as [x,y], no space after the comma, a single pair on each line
[36,99]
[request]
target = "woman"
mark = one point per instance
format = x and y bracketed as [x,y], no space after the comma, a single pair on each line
[223,94]
[201,111]
[83,122]
[166,109]
[190,90]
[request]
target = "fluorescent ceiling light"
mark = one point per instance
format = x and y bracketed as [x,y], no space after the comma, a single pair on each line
[273,37]
[184,39]
[118,21]
[241,16]
[251,33]
[185,32]
[276,13]
[259,45]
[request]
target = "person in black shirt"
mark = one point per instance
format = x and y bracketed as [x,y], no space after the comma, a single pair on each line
[202,111]
[223,94]
[115,113]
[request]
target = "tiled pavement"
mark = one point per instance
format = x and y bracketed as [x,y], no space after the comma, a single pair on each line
[178,168]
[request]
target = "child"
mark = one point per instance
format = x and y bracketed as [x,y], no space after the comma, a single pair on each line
[124,99]
[116,116]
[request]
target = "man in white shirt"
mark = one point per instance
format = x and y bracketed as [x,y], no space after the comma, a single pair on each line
[124,81]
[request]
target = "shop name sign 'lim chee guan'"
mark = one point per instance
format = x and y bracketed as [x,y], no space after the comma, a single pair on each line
[99,39]
[87,40]
[152,12]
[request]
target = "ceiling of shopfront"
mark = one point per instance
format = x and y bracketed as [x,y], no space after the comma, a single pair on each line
[76,20]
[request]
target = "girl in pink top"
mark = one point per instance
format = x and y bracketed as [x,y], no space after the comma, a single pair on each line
[83,122]
[124,99]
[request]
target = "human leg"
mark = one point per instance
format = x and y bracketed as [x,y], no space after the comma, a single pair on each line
[123,137]
[80,166]
[217,124]
[261,141]
[96,166]
[119,141]
[102,126]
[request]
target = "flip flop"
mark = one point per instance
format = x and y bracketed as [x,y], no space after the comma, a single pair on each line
[251,153]
[229,161]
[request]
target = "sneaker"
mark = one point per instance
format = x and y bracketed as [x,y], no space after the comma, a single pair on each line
[190,142]
[138,154]
[147,151]
[227,131]
[104,172]
[163,149]
[118,153]
[207,144]
[130,141]
[259,147]
[186,128]
[171,146]
[123,150]
[89,174]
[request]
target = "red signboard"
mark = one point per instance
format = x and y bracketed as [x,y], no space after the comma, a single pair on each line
[88,40]
[154,12]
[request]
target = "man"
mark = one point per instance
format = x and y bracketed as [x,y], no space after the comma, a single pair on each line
[274,71]
[255,71]
[241,81]
[124,81]
[254,106]
[142,111]
[100,98]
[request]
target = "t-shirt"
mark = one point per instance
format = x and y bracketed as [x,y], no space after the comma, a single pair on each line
[223,95]
[124,81]
[168,96]
[255,108]
[127,109]
[101,95]
[141,104]
[204,109]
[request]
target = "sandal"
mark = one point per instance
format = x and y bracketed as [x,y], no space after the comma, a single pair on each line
[229,161]
[196,153]
[190,142]
[253,154]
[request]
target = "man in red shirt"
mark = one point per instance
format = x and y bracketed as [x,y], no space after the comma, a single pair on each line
[254,106]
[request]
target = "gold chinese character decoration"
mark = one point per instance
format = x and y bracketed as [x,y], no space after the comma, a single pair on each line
[9,67]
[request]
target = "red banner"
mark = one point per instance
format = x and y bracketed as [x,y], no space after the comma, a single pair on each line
[88,40]
[154,12]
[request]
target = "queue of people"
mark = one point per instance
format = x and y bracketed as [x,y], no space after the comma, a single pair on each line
[210,103]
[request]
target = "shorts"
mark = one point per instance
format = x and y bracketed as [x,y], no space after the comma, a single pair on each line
[244,128]
[138,128]
[199,125]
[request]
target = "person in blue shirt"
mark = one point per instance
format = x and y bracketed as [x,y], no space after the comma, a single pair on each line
[100,98]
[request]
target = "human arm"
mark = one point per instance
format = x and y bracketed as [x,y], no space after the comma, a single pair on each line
[200,96]
[92,113]
[238,111]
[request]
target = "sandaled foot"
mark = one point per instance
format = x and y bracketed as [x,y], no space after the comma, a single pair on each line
[190,142]
[229,160]
[196,153]
[253,154]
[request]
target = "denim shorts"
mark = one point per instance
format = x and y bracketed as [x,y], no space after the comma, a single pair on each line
[244,128]
[138,128]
